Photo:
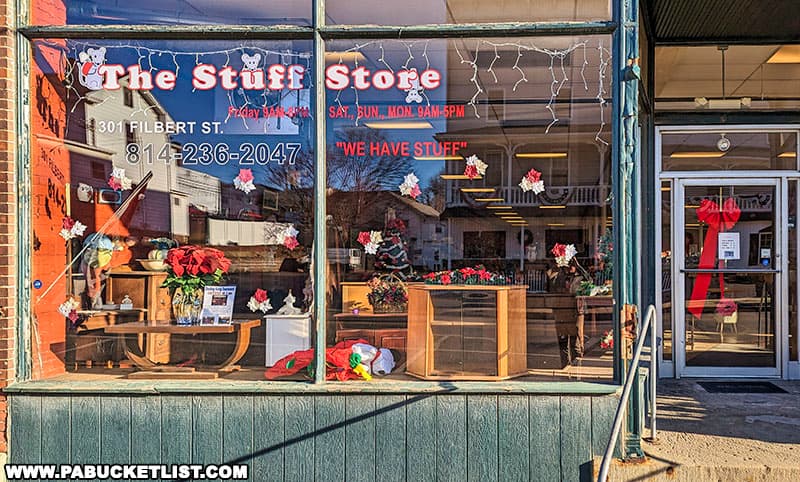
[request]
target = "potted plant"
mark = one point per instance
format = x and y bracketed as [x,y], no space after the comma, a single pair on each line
[189,270]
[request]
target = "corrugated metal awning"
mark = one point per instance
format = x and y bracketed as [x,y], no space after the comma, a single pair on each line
[725,21]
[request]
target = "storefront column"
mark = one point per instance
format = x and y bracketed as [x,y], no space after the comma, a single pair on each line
[625,122]
[320,273]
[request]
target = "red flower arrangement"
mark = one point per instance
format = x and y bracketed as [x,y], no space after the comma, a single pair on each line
[194,267]
[467,276]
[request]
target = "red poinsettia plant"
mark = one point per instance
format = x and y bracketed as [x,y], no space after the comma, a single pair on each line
[466,276]
[194,267]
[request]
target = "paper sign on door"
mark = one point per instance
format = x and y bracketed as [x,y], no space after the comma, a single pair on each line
[728,246]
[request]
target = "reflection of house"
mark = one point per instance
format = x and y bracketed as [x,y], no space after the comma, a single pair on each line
[355,211]
[116,120]
[516,132]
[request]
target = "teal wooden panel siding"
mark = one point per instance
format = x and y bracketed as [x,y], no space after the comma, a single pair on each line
[176,429]
[390,438]
[451,438]
[269,435]
[514,446]
[318,436]
[420,437]
[115,430]
[331,443]
[26,430]
[482,450]
[146,429]
[85,430]
[544,435]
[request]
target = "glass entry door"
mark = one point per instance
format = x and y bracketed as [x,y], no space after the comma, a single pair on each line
[728,256]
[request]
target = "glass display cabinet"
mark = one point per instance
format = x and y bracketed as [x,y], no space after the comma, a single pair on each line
[466,332]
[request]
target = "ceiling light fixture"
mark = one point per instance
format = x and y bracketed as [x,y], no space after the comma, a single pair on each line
[477,189]
[786,54]
[438,158]
[542,155]
[457,177]
[697,155]
[399,125]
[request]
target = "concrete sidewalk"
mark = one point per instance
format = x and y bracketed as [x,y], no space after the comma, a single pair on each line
[721,436]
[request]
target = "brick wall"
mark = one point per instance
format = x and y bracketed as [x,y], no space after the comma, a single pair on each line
[8,208]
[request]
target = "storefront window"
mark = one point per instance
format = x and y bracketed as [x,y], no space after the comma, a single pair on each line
[469,211]
[384,12]
[735,78]
[734,151]
[171,12]
[158,168]
[793,287]
[666,268]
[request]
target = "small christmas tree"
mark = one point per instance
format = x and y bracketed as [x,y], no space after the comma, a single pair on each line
[392,254]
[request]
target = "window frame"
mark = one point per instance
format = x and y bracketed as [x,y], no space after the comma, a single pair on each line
[319,33]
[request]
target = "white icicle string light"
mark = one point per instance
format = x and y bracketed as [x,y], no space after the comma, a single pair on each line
[601,91]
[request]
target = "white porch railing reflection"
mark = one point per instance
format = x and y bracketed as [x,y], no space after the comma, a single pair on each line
[553,195]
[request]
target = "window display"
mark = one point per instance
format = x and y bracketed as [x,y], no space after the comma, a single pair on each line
[469,211]
[171,183]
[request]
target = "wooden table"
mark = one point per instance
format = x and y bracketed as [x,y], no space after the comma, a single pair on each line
[131,334]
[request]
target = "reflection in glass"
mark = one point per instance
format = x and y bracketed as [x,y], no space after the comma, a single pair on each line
[729,237]
[171,12]
[464,154]
[793,287]
[217,166]
[729,151]
[734,329]
[463,11]
[690,78]
[666,269]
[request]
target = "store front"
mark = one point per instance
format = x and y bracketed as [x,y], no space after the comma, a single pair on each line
[727,245]
[261,235]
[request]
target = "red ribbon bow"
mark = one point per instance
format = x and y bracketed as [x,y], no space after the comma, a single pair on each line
[718,220]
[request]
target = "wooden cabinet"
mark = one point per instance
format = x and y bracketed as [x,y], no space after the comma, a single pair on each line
[391,338]
[144,289]
[466,332]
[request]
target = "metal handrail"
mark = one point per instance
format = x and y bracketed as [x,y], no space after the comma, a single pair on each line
[626,390]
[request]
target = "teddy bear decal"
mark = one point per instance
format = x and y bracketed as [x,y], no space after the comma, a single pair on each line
[415,90]
[90,62]
[251,62]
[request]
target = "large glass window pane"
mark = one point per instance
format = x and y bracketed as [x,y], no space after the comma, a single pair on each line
[666,268]
[793,287]
[454,169]
[729,151]
[171,12]
[139,147]
[384,12]
[732,78]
